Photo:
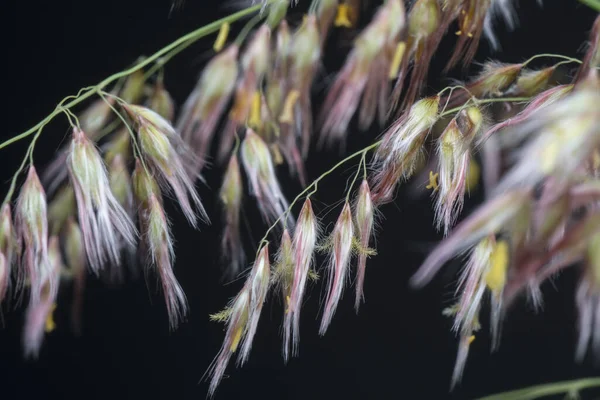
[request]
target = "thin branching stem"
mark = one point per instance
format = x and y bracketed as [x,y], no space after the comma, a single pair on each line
[247,28]
[485,101]
[86,93]
[595,4]
[548,389]
[137,152]
[313,187]
[27,158]
[363,161]
[550,55]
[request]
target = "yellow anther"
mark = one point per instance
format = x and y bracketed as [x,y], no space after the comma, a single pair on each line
[222,36]
[473,174]
[433,181]
[50,324]
[397,60]
[499,259]
[288,300]
[470,34]
[287,115]
[470,339]
[255,120]
[458,33]
[342,17]
[236,339]
[467,17]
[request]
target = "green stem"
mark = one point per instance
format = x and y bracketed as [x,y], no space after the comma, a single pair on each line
[137,152]
[247,28]
[535,392]
[161,63]
[29,156]
[485,101]
[108,129]
[363,160]
[549,55]
[595,4]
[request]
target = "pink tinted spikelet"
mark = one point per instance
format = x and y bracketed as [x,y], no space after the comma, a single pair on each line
[206,104]
[103,221]
[75,259]
[304,242]
[7,249]
[461,359]
[305,55]
[494,79]
[490,218]
[401,147]
[561,138]
[424,35]
[242,317]
[258,283]
[364,219]
[365,72]
[454,155]
[156,237]
[591,60]
[92,120]
[37,312]
[162,255]
[538,103]
[339,262]
[471,285]
[161,101]
[4,277]
[588,299]
[237,321]
[231,195]
[255,63]
[588,303]
[453,163]
[166,153]
[283,269]
[31,225]
[326,10]
[120,183]
[264,185]
[471,20]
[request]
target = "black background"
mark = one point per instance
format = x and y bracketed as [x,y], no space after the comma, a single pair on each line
[399,346]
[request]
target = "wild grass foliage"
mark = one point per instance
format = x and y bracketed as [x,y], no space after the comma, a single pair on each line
[101,201]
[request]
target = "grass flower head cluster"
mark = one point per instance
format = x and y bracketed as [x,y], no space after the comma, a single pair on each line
[99,207]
